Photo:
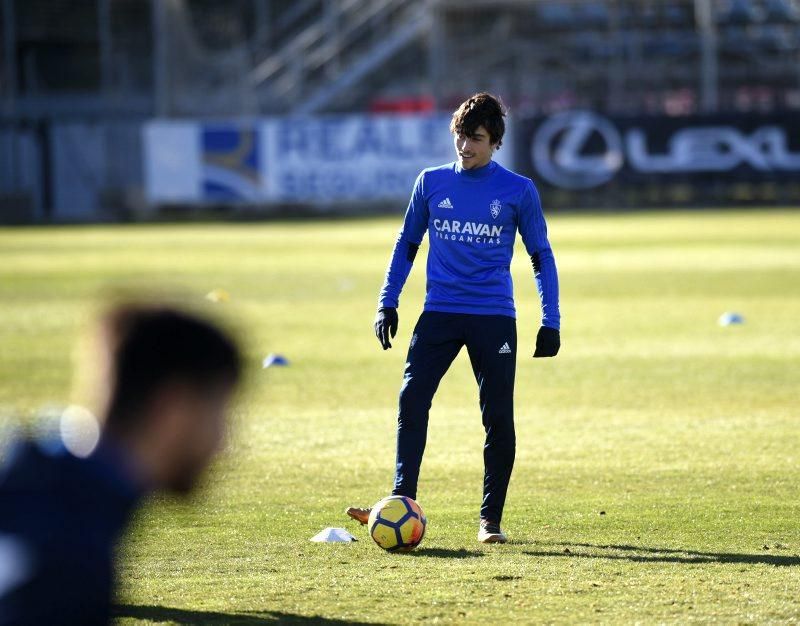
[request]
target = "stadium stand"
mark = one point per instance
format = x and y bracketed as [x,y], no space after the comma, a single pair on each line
[276,56]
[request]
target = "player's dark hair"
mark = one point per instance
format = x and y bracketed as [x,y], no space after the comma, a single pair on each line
[482,109]
[149,347]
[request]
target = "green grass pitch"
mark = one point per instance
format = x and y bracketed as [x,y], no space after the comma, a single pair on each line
[658,457]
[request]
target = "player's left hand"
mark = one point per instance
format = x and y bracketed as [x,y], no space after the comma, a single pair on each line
[386,324]
[548,341]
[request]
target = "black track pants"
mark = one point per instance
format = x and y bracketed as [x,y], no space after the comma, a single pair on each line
[491,342]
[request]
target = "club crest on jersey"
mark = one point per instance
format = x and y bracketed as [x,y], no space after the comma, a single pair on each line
[494,207]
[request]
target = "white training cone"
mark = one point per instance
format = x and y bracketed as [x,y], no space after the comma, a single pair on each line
[333,535]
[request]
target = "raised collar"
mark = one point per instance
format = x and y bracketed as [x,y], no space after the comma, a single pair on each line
[479,173]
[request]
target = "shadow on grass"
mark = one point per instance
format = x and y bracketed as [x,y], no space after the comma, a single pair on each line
[213,618]
[640,554]
[444,553]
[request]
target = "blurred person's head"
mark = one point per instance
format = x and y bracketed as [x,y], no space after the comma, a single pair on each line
[478,129]
[169,379]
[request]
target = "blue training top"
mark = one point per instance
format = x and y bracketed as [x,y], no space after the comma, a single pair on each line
[472,217]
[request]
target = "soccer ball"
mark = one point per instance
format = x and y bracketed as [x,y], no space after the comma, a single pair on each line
[397,524]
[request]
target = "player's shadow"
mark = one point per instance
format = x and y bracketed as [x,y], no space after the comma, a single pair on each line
[444,553]
[213,618]
[641,554]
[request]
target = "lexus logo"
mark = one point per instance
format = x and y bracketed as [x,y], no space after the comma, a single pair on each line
[581,150]
[560,155]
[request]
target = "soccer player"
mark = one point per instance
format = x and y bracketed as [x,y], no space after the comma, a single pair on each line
[471,209]
[170,378]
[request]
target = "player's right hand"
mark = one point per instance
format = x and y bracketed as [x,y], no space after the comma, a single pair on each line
[385,325]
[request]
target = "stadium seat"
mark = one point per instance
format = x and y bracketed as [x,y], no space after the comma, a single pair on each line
[591,48]
[669,45]
[556,15]
[774,38]
[781,11]
[594,14]
[735,44]
[648,15]
[739,12]
[626,16]
[678,15]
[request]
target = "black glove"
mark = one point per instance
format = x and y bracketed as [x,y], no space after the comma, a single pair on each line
[548,341]
[386,323]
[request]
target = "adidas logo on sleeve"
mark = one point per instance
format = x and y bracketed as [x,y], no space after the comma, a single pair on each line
[445,204]
[505,349]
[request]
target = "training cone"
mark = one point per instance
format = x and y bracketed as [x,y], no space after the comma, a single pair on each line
[333,535]
[218,295]
[274,359]
[730,318]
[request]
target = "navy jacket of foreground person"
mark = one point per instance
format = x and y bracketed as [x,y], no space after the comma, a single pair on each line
[64,503]
[60,518]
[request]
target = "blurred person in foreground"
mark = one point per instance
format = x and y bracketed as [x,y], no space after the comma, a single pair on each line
[169,378]
[471,209]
